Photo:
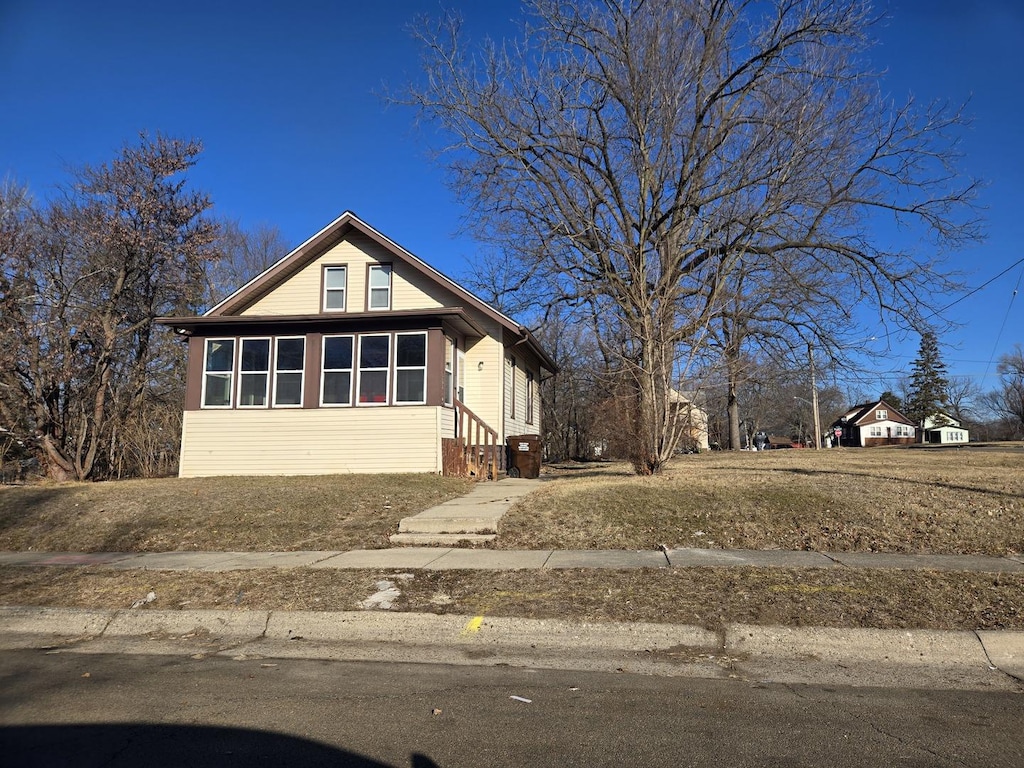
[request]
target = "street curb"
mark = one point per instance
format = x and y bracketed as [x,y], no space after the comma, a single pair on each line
[903,647]
[450,638]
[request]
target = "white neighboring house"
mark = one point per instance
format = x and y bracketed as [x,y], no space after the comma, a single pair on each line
[943,429]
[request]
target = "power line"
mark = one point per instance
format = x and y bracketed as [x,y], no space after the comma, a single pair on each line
[887,334]
[1006,317]
[980,287]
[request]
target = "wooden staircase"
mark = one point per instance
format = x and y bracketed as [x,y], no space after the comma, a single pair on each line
[475,450]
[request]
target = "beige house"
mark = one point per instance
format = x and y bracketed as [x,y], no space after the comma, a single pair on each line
[352,355]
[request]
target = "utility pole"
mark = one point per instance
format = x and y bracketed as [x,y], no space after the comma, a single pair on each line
[814,400]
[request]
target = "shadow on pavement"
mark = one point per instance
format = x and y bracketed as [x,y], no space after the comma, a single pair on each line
[144,745]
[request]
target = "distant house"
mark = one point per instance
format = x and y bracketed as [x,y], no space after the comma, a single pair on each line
[872,424]
[694,420]
[944,429]
[351,354]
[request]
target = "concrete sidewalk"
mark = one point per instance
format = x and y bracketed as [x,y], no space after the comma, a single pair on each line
[453,558]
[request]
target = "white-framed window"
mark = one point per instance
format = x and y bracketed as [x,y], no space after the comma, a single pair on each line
[529,397]
[379,286]
[876,431]
[374,359]
[449,370]
[460,375]
[218,372]
[512,387]
[253,373]
[882,415]
[335,288]
[336,383]
[289,371]
[411,368]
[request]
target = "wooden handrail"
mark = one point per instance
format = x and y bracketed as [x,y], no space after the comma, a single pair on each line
[470,428]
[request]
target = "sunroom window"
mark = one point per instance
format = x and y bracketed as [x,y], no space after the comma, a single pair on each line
[289,364]
[337,365]
[411,368]
[218,369]
[253,373]
[374,355]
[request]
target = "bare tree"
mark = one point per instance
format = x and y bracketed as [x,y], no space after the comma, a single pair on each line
[645,151]
[962,392]
[1008,401]
[572,399]
[83,280]
[244,253]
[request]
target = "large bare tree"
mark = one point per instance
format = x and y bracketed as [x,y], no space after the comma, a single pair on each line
[647,151]
[82,365]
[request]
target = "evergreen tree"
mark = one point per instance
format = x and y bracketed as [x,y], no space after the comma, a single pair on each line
[928,382]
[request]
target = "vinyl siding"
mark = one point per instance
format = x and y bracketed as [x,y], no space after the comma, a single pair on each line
[446,422]
[311,442]
[301,293]
[516,424]
[412,290]
[484,386]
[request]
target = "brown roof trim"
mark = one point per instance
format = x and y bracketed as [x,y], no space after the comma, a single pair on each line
[457,316]
[535,346]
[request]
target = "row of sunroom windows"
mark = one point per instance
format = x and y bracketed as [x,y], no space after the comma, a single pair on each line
[367,369]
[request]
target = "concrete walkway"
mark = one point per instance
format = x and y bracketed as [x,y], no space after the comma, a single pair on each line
[473,517]
[453,558]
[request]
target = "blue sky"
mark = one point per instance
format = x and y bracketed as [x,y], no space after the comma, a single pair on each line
[286,98]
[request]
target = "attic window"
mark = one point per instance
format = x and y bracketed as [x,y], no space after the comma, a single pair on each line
[335,279]
[379,296]
[882,415]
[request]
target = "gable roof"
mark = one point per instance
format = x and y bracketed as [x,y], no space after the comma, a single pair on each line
[947,419]
[335,232]
[859,414]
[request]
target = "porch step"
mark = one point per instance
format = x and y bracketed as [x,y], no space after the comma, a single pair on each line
[441,539]
[454,524]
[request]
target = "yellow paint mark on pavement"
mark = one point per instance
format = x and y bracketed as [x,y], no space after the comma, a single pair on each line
[473,625]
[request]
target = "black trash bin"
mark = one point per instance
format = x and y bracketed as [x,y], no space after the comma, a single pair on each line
[523,455]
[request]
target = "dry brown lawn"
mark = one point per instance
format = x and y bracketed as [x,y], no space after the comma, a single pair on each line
[968,501]
[707,597]
[919,500]
[335,512]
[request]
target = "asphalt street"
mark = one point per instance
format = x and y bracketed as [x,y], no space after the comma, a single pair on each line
[62,708]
